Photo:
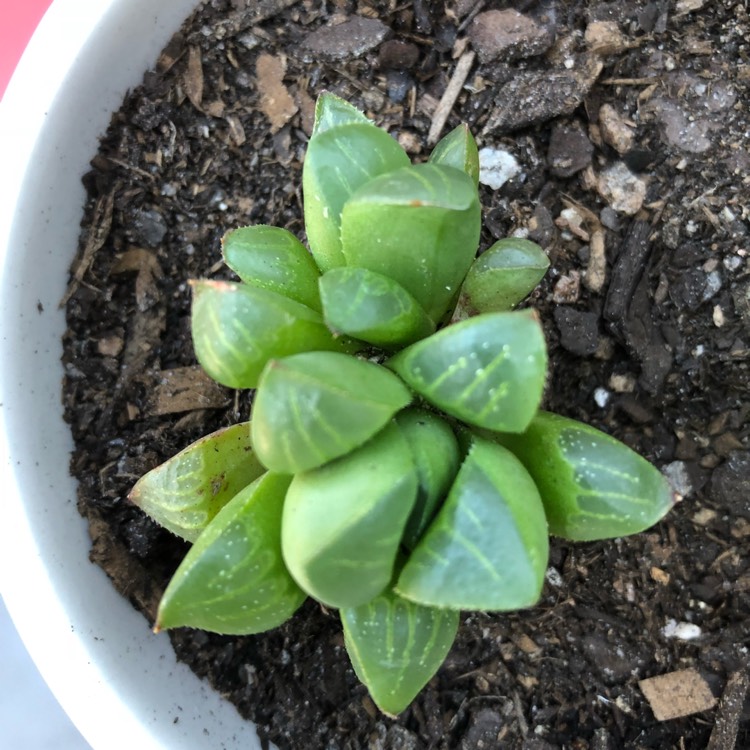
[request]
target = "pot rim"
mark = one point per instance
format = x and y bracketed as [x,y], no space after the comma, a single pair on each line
[120,684]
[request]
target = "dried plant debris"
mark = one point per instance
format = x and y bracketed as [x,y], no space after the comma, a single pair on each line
[653,347]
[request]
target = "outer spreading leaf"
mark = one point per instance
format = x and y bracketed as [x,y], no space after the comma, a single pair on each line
[273,259]
[593,486]
[487,548]
[372,307]
[488,371]
[420,226]
[313,407]
[238,328]
[436,455]
[396,646]
[458,149]
[343,522]
[233,579]
[339,160]
[504,274]
[184,494]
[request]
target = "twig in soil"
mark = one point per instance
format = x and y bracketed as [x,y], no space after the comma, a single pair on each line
[453,89]
[629,81]
[724,734]
[101,223]
[472,15]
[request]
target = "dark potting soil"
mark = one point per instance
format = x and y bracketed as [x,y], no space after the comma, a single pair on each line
[629,124]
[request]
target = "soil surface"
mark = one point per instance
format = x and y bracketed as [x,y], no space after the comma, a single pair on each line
[627,126]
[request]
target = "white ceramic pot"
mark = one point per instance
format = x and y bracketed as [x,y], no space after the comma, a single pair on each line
[119,683]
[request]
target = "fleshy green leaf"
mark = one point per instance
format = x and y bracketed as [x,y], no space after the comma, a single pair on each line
[436,455]
[233,579]
[372,307]
[487,547]
[420,226]
[343,522]
[331,111]
[458,149]
[504,274]
[396,646]
[274,259]
[339,160]
[186,492]
[313,407]
[238,328]
[593,486]
[488,371]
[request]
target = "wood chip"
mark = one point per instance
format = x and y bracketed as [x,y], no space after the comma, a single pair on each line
[276,102]
[724,734]
[596,270]
[527,645]
[192,79]
[236,131]
[306,106]
[659,575]
[101,223]
[146,265]
[187,389]
[452,90]
[677,694]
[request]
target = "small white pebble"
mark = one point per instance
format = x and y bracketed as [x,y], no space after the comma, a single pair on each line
[601,396]
[733,262]
[678,477]
[683,631]
[553,577]
[718,316]
[496,167]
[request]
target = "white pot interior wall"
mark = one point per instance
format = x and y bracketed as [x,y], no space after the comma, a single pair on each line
[119,683]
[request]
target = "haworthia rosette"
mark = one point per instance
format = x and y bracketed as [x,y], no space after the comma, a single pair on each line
[436,455]
[233,579]
[343,522]
[185,493]
[339,160]
[396,646]
[593,486]
[487,547]
[420,226]
[504,274]
[458,149]
[274,259]
[372,307]
[238,328]
[313,407]
[488,371]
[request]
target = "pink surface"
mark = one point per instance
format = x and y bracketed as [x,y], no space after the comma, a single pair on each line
[18,19]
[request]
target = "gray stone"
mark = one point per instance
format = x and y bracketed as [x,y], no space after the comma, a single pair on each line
[623,191]
[534,97]
[579,331]
[148,228]
[570,149]
[347,40]
[730,484]
[508,35]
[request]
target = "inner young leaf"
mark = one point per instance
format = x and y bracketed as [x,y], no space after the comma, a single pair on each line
[487,547]
[313,407]
[343,522]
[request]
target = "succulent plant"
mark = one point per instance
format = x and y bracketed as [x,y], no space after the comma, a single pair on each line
[397,466]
